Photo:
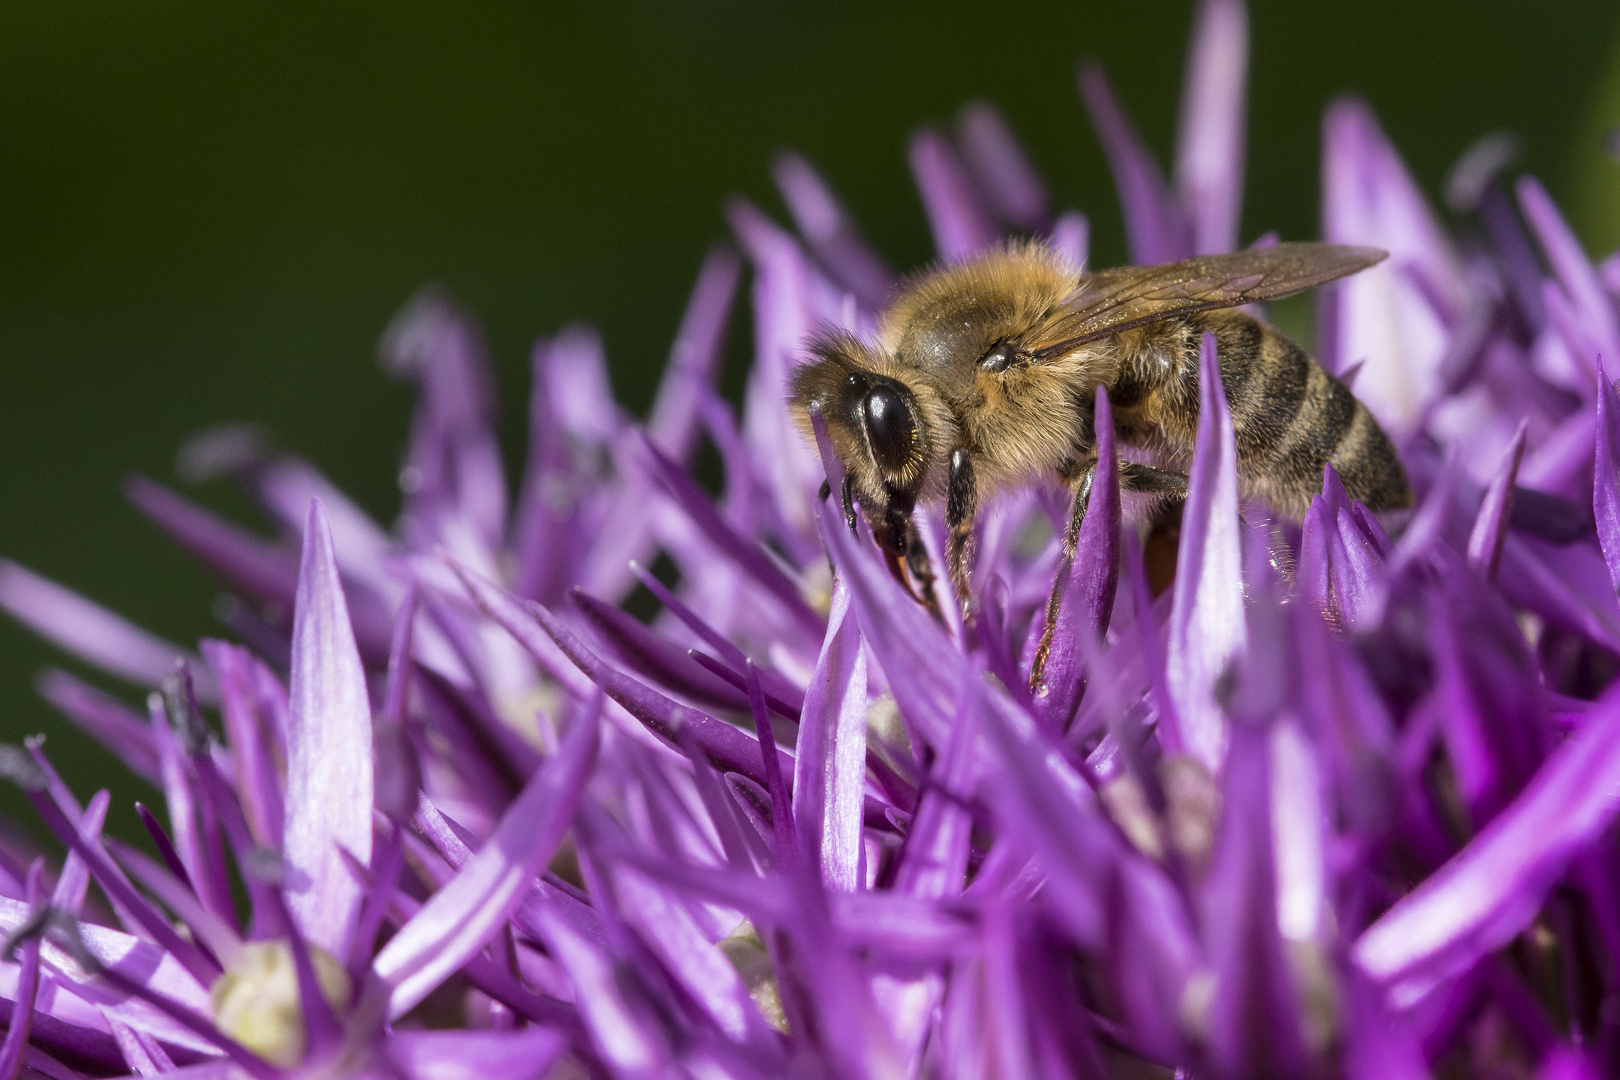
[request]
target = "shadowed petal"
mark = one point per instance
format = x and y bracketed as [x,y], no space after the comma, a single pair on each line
[1492,888]
[525,1054]
[459,919]
[329,784]
[831,234]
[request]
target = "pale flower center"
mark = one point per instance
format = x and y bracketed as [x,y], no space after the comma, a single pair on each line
[256,1000]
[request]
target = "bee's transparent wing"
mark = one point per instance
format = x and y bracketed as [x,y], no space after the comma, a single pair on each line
[1115,300]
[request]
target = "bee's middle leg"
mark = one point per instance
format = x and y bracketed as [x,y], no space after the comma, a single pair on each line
[1152,480]
[1060,581]
[1133,476]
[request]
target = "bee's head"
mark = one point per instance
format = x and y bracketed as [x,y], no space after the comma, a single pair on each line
[885,428]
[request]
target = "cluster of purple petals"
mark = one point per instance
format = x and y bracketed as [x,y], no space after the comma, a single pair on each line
[1338,802]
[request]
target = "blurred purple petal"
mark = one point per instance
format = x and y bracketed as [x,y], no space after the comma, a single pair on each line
[1592,306]
[1209,144]
[526,1054]
[329,783]
[1001,168]
[1369,198]
[1491,524]
[830,757]
[831,234]
[90,631]
[262,570]
[959,222]
[116,726]
[1153,221]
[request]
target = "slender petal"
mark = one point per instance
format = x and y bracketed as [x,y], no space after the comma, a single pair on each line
[329,782]
[830,758]
[1206,618]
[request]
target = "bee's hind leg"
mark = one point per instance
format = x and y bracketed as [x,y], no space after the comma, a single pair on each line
[1152,480]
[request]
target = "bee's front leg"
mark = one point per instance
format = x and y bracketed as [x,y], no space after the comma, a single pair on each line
[961,503]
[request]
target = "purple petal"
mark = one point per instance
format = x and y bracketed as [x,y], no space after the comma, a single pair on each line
[1254,1020]
[262,570]
[22,1012]
[673,425]
[90,631]
[935,861]
[667,926]
[246,730]
[460,918]
[1153,222]
[623,1036]
[831,233]
[1206,616]
[205,926]
[1592,306]
[1373,316]
[1071,238]
[1001,168]
[959,223]
[1088,595]
[572,420]
[1490,526]
[908,644]
[1042,802]
[786,830]
[750,556]
[785,312]
[1209,144]
[1491,889]
[526,1054]
[531,624]
[656,657]
[1606,481]
[116,726]
[329,782]
[196,836]
[830,757]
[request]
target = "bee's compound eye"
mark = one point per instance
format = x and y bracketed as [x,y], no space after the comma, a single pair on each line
[890,430]
[857,383]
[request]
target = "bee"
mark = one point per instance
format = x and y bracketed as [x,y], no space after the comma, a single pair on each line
[984,374]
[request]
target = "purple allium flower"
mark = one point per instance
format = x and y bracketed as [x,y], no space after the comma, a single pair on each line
[1338,802]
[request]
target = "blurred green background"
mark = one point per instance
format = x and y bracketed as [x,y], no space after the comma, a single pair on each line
[210,211]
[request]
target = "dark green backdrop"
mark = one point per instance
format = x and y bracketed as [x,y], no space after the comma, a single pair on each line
[209,211]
